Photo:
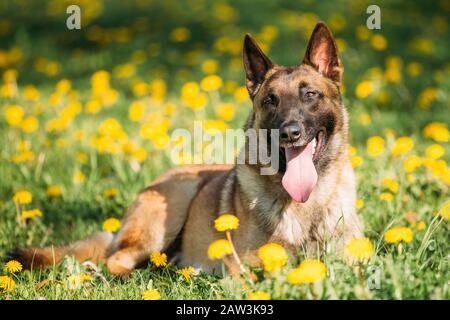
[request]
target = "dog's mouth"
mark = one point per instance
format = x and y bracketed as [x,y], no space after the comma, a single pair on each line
[300,176]
[318,142]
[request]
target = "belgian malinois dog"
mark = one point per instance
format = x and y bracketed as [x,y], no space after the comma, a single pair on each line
[308,201]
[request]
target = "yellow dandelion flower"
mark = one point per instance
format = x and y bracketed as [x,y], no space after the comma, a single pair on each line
[7,283]
[151,295]
[158,259]
[198,102]
[158,89]
[136,111]
[241,94]
[85,278]
[211,83]
[379,42]
[259,295]
[82,157]
[111,225]
[393,75]
[111,193]
[359,249]
[123,71]
[23,197]
[391,184]
[8,90]
[359,203]
[189,90]
[14,115]
[421,226]
[180,34]
[187,273]
[63,86]
[273,256]
[140,154]
[210,66]
[226,111]
[13,266]
[31,93]
[93,106]
[162,141]
[52,68]
[54,191]
[170,109]
[365,119]
[414,69]
[435,151]
[364,89]
[139,88]
[426,98]
[437,131]
[411,163]
[79,177]
[309,271]
[23,156]
[149,131]
[438,167]
[75,281]
[226,222]
[389,133]
[229,86]
[219,249]
[386,196]
[410,178]
[398,234]
[29,124]
[100,82]
[402,145]
[10,75]
[31,214]
[362,32]
[23,145]
[375,146]
[357,161]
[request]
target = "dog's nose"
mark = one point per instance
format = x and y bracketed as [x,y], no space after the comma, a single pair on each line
[290,132]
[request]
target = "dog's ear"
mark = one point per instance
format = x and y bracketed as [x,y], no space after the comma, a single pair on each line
[322,53]
[256,65]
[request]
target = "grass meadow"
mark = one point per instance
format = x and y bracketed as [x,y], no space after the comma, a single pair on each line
[86,117]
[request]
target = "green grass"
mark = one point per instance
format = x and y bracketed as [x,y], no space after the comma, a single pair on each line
[417,270]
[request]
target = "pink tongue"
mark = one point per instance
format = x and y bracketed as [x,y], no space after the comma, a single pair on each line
[300,177]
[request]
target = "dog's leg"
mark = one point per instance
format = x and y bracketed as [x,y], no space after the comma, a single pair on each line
[124,261]
[147,228]
[153,222]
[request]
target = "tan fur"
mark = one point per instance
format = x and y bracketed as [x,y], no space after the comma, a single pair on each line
[185,201]
[92,248]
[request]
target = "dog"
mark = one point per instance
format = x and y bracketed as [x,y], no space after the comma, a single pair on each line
[307,202]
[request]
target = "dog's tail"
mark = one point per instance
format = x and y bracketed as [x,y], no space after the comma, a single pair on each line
[94,248]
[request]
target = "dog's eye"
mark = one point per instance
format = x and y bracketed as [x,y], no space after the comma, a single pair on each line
[310,94]
[270,99]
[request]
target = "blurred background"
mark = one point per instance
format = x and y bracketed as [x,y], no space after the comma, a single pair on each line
[87,114]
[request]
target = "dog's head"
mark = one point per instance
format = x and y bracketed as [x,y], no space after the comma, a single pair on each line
[304,103]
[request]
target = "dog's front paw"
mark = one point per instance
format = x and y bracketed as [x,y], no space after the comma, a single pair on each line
[120,264]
